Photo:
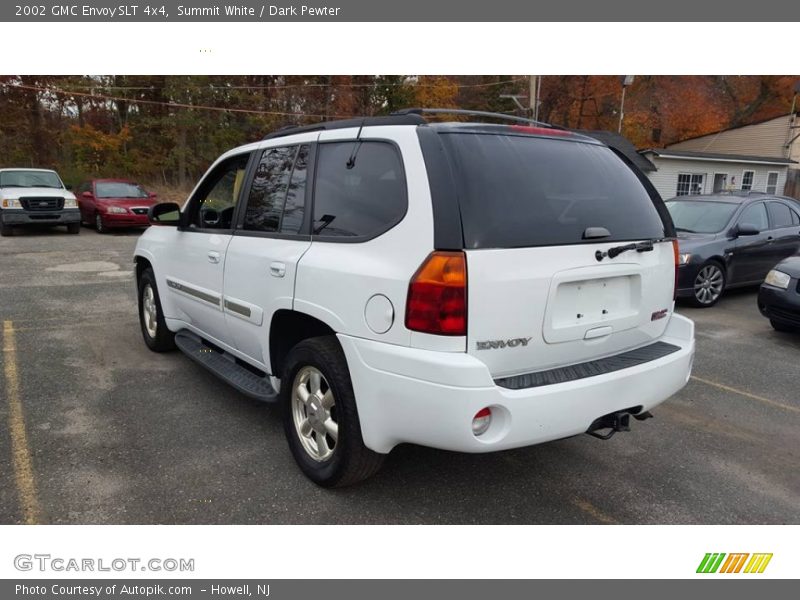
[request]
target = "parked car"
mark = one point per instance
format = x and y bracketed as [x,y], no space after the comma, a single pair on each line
[110,203]
[465,286]
[731,240]
[35,197]
[779,295]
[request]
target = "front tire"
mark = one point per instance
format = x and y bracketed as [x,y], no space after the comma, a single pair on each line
[74,228]
[709,283]
[320,417]
[98,224]
[151,318]
[6,230]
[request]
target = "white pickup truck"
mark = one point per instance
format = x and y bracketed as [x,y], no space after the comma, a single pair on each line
[36,197]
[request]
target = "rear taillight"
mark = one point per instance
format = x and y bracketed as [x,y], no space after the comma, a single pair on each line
[677,256]
[437,295]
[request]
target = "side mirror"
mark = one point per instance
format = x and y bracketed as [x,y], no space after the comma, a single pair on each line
[152,195]
[87,195]
[164,213]
[746,229]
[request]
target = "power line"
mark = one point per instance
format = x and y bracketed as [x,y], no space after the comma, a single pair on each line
[170,104]
[300,85]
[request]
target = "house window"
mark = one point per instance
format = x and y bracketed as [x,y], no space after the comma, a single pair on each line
[690,184]
[772,182]
[720,182]
[747,180]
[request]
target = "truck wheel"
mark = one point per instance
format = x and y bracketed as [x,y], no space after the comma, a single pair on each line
[98,224]
[74,228]
[151,318]
[320,416]
[6,230]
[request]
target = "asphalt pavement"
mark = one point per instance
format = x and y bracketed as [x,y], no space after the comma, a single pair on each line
[95,428]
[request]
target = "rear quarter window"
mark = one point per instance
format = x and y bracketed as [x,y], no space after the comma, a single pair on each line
[522,191]
[359,200]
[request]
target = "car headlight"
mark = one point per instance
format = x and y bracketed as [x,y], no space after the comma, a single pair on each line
[684,258]
[70,203]
[7,203]
[778,279]
[116,210]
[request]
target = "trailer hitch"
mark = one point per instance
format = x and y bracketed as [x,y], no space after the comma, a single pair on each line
[616,421]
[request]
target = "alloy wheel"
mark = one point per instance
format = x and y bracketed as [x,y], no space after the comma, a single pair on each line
[708,284]
[314,413]
[150,311]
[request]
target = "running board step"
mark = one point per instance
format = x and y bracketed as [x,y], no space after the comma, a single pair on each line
[224,366]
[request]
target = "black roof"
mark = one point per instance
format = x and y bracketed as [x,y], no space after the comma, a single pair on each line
[622,144]
[667,152]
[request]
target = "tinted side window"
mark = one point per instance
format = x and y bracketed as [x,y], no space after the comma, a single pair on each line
[795,218]
[295,203]
[213,204]
[755,215]
[779,214]
[361,201]
[268,192]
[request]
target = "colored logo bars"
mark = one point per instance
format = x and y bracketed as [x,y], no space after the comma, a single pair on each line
[733,563]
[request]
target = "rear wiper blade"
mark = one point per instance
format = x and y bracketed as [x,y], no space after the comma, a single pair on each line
[646,246]
[685,230]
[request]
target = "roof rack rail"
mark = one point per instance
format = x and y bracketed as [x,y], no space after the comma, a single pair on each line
[473,113]
[393,119]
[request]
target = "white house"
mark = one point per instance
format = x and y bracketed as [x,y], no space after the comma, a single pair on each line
[762,157]
[684,172]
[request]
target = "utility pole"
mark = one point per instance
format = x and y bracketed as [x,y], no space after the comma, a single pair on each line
[626,81]
[533,95]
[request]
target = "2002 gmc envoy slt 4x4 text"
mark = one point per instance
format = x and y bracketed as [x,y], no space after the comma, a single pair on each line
[466,286]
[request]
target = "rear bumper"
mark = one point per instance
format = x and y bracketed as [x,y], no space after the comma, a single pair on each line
[19,216]
[435,406]
[782,306]
[125,220]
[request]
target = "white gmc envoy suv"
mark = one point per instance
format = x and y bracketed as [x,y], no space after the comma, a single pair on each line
[467,286]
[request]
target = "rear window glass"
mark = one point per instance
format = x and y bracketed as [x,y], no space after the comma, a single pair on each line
[519,191]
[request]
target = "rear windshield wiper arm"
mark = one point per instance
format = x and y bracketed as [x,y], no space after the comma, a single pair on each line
[646,246]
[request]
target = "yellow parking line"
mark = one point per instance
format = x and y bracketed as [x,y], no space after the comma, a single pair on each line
[20,452]
[594,512]
[727,388]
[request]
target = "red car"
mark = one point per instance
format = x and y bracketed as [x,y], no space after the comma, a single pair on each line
[109,203]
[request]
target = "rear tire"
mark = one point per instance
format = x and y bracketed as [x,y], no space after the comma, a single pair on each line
[320,417]
[74,228]
[709,284]
[6,230]
[151,318]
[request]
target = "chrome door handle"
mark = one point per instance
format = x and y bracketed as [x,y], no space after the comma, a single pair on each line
[277,269]
[213,257]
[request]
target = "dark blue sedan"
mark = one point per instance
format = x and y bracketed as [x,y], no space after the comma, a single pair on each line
[731,240]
